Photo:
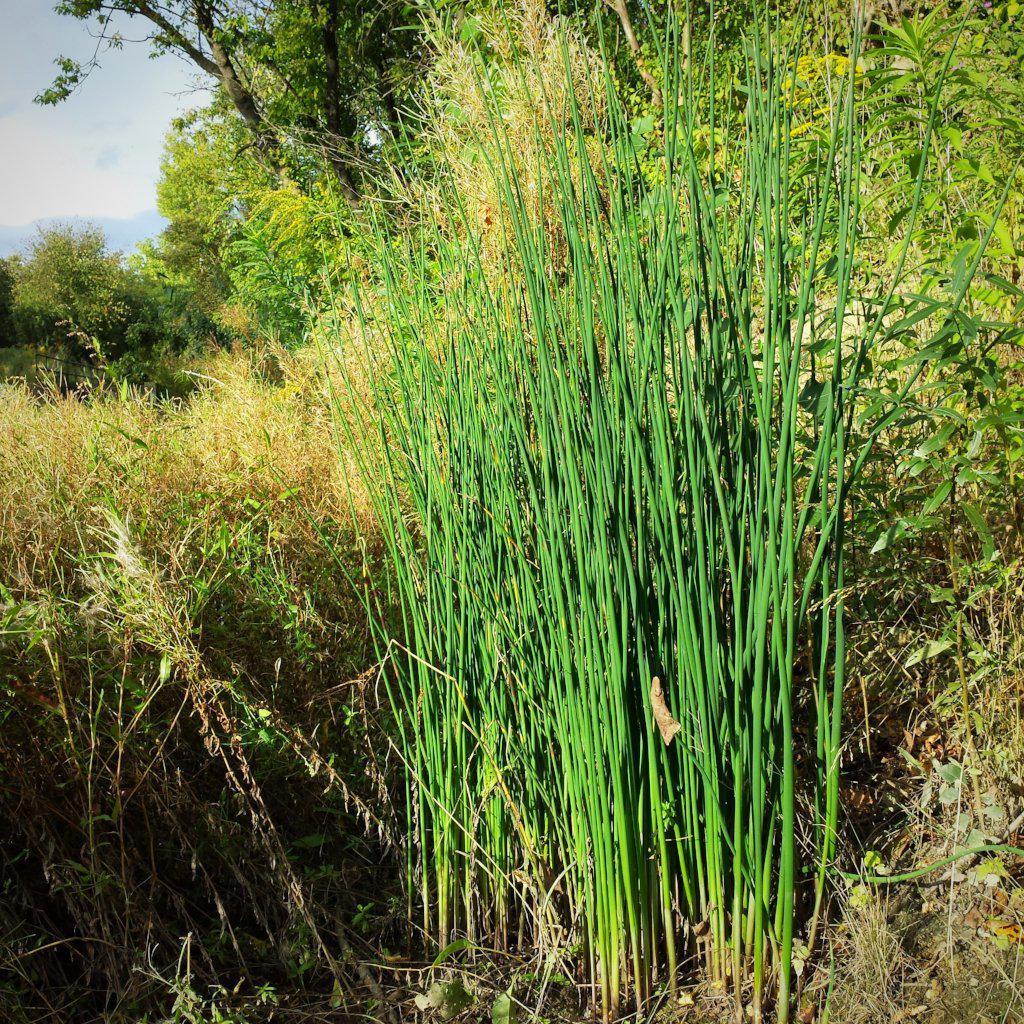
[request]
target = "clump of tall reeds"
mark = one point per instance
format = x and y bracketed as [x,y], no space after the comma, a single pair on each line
[617,467]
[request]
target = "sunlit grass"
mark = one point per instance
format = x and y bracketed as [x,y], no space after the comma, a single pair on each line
[617,464]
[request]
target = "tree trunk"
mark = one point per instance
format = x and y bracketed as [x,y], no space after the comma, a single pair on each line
[241,98]
[332,99]
[620,8]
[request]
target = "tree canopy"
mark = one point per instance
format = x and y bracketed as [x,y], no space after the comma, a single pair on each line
[71,295]
[321,76]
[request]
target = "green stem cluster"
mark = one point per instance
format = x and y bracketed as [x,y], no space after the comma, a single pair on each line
[624,456]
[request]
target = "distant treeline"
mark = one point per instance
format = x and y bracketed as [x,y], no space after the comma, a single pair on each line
[69,297]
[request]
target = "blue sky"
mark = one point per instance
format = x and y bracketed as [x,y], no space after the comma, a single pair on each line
[97,155]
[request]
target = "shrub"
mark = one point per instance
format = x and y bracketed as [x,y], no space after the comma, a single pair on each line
[72,296]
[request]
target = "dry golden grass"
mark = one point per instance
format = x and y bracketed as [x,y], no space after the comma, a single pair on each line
[181,662]
[536,79]
[257,427]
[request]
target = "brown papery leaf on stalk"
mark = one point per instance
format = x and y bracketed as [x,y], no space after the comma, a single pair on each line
[667,725]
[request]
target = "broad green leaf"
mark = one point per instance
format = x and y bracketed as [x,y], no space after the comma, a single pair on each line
[936,441]
[981,528]
[310,842]
[504,1010]
[889,537]
[451,949]
[932,649]
[937,497]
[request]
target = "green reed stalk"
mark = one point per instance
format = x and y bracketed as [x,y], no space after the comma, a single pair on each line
[624,455]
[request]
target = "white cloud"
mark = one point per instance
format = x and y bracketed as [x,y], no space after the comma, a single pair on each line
[51,174]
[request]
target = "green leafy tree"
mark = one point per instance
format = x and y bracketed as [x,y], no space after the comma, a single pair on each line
[315,76]
[72,296]
[6,304]
[206,181]
[243,247]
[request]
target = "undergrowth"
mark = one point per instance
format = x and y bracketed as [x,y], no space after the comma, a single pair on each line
[328,689]
[171,627]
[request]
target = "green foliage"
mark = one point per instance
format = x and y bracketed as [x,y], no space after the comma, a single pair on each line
[290,255]
[376,49]
[939,510]
[6,304]
[312,86]
[73,300]
[241,238]
[201,191]
[73,297]
[205,186]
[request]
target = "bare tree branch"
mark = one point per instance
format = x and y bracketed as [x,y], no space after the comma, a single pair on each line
[620,8]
